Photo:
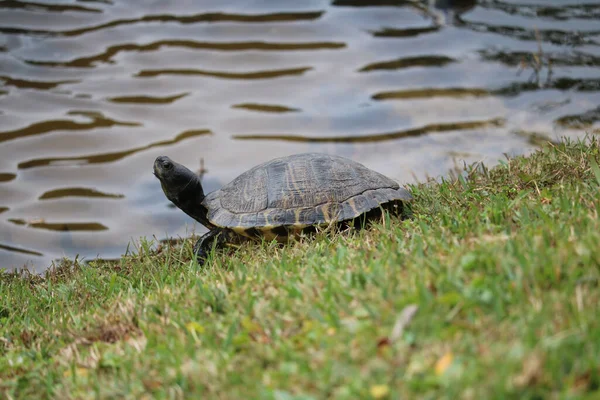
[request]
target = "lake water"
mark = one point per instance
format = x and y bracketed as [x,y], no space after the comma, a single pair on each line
[91,92]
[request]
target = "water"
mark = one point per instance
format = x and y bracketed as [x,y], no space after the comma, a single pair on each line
[92,91]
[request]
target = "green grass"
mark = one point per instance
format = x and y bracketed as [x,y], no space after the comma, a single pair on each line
[503,265]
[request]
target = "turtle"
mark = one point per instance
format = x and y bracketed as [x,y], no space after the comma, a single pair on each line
[280,198]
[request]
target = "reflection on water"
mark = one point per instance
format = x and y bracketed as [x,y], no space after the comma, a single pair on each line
[109,54]
[106,157]
[145,73]
[7,177]
[378,137]
[585,120]
[147,99]
[426,93]
[409,62]
[91,92]
[269,108]
[78,192]
[40,128]
[67,226]
[30,84]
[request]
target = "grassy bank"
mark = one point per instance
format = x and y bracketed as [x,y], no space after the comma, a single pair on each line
[489,291]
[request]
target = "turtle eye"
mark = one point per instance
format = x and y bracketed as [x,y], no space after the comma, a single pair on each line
[167,165]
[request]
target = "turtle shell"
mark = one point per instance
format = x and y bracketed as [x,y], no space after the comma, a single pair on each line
[294,192]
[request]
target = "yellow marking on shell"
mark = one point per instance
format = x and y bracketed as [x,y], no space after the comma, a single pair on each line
[325,210]
[239,229]
[297,215]
[267,223]
[353,206]
[291,182]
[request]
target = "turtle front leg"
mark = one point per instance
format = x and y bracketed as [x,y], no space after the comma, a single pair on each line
[217,237]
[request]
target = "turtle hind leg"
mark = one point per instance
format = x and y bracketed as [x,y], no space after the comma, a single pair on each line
[216,237]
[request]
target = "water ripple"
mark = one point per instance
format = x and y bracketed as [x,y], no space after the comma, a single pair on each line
[183,19]
[549,11]
[425,93]
[30,84]
[109,53]
[78,192]
[404,32]
[562,84]
[60,226]
[40,128]
[268,108]
[379,137]
[370,3]
[278,73]
[584,120]
[559,59]
[20,250]
[107,157]
[409,62]
[147,99]
[7,176]
[41,7]
[554,36]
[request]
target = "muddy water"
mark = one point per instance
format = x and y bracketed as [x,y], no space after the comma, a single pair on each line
[92,91]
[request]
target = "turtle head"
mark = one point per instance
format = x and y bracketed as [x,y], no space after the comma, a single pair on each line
[177,181]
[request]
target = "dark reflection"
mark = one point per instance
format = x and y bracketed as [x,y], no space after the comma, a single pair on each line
[40,128]
[61,226]
[42,7]
[456,6]
[547,11]
[563,59]
[406,32]
[563,84]
[409,62]
[110,52]
[183,19]
[449,11]
[380,137]
[371,3]
[427,93]
[580,85]
[265,108]
[580,121]
[29,84]
[19,250]
[3,209]
[147,99]
[554,36]
[578,11]
[78,192]
[108,157]
[7,176]
[224,75]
